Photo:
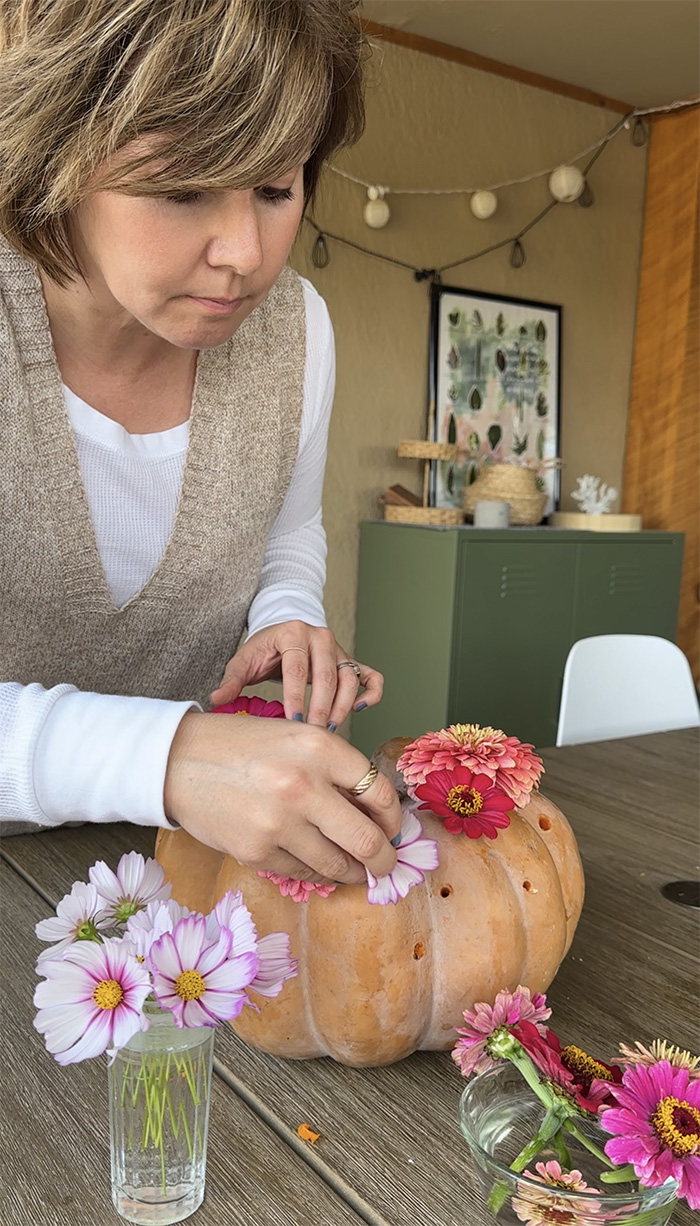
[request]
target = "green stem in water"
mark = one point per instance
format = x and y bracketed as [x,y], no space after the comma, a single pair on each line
[591,1146]
[621,1174]
[550,1125]
[562,1152]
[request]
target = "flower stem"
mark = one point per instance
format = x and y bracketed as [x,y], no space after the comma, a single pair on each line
[591,1146]
[562,1152]
[550,1125]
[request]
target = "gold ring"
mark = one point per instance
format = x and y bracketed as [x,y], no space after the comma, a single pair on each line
[350,664]
[365,782]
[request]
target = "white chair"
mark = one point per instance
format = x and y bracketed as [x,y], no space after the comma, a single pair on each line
[619,685]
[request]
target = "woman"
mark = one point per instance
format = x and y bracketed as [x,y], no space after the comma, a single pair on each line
[166,384]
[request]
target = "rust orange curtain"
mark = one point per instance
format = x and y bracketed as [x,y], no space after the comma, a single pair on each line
[662,459]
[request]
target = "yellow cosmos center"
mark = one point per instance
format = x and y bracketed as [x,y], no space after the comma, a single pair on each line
[583,1066]
[190,985]
[678,1126]
[464,801]
[108,994]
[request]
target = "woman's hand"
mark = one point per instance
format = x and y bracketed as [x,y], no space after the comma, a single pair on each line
[266,792]
[303,655]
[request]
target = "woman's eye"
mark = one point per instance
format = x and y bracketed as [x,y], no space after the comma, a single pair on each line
[275,195]
[185,197]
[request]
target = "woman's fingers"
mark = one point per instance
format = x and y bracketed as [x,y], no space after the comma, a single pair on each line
[362,837]
[327,679]
[295,676]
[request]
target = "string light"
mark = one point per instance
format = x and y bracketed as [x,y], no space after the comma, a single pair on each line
[566,184]
[483,205]
[376,211]
[517,254]
[320,255]
[639,133]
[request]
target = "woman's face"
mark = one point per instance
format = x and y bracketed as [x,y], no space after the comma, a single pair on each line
[188,269]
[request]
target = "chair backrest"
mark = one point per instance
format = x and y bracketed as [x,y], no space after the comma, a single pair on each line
[619,685]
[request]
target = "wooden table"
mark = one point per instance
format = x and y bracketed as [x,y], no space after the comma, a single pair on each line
[390,1152]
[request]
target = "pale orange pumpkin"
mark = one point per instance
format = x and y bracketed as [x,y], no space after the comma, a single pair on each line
[376,983]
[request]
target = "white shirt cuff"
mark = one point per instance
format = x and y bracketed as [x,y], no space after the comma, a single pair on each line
[284,604]
[103,758]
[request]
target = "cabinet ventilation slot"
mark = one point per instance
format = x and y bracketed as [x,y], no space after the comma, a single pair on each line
[624,581]
[518,581]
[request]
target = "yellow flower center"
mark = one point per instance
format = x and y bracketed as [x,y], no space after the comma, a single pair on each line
[108,994]
[464,801]
[678,1126]
[473,734]
[190,985]
[583,1066]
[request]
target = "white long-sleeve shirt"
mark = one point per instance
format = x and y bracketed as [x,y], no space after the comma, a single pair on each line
[68,755]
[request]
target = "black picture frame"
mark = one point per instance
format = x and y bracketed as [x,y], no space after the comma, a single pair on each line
[494,387]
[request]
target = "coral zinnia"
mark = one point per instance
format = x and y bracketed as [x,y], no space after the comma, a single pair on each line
[298,891]
[657,1127]
[251,706]
[512,766]
[469,803]
[554,1203]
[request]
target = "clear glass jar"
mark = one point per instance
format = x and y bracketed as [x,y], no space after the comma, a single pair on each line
[499,1115]
[159,1089]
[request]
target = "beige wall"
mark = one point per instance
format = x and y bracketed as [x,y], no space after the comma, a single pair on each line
[431,123]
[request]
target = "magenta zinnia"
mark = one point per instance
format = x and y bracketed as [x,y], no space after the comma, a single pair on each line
[657,1127]
[508,763]
[251,706]
[509,1008]
[468,803]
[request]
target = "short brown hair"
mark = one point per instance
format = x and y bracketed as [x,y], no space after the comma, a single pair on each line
[236,92]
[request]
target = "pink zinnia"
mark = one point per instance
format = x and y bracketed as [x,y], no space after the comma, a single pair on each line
[251,706]
[657,1122]
[510,764]
[509,1008]
[91,999]
[553,1203]
[468,803]
[298,891]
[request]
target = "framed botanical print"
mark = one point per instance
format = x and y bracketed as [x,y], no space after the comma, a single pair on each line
[494,388]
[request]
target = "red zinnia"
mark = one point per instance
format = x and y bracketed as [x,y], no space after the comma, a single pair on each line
[468,803]
[251,706]
[587,1081]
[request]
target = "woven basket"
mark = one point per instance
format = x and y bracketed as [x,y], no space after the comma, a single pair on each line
[507,483]
[414,449]
[442,516]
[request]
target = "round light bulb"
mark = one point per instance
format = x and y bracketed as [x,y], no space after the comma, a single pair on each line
[483,205]
[376,213]
[566,184]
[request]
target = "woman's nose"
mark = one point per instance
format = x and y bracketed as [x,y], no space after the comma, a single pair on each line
[238,242]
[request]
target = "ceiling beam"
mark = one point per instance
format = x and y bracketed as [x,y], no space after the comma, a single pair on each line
[445,51]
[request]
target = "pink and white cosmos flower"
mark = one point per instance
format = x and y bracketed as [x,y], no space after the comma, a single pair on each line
[415,856]
[275,966]
[80,916]
[148,926]
[91,998]
[201,981]
[135,883]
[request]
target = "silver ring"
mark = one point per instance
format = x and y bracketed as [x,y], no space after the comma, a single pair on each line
[365,782]
[350,664]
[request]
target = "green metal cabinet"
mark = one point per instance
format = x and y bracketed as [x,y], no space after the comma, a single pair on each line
[474,625]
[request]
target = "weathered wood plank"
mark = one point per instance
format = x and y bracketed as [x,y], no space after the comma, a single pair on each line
[54,1146]
[392,1133]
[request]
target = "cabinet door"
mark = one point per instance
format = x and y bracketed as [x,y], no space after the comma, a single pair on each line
[628,587]
[512,635]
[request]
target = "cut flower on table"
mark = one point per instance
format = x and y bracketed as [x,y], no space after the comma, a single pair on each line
[651,1106]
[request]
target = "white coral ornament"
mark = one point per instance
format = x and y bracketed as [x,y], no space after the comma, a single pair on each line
[593,496]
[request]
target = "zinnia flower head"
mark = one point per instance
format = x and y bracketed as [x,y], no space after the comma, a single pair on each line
[80,916]
[657,1127]
[468,803]
[91,998]
[661,1050]
[298,891]
[251,706]
[202,982]
[415,856]
[135,883]
[583,1092]
[508,1009]
[510,764]
[555,1204]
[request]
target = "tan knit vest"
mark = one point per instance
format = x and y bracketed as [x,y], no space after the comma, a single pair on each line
[173,638]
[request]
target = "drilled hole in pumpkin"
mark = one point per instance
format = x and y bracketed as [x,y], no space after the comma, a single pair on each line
[545,823]
[527,885]
[446,891]
[418,950]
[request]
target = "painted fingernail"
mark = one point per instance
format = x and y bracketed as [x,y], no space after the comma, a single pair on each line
[332,727]
[298,717]
[361,706]
[396,839]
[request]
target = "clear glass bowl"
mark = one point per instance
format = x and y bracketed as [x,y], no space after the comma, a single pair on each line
[499,1114]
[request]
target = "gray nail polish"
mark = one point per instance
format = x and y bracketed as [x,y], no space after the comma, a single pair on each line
[396,839]
[332,727]
[361,706]
[298,717]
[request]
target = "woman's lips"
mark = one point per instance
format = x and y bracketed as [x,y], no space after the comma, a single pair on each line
[218,306]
